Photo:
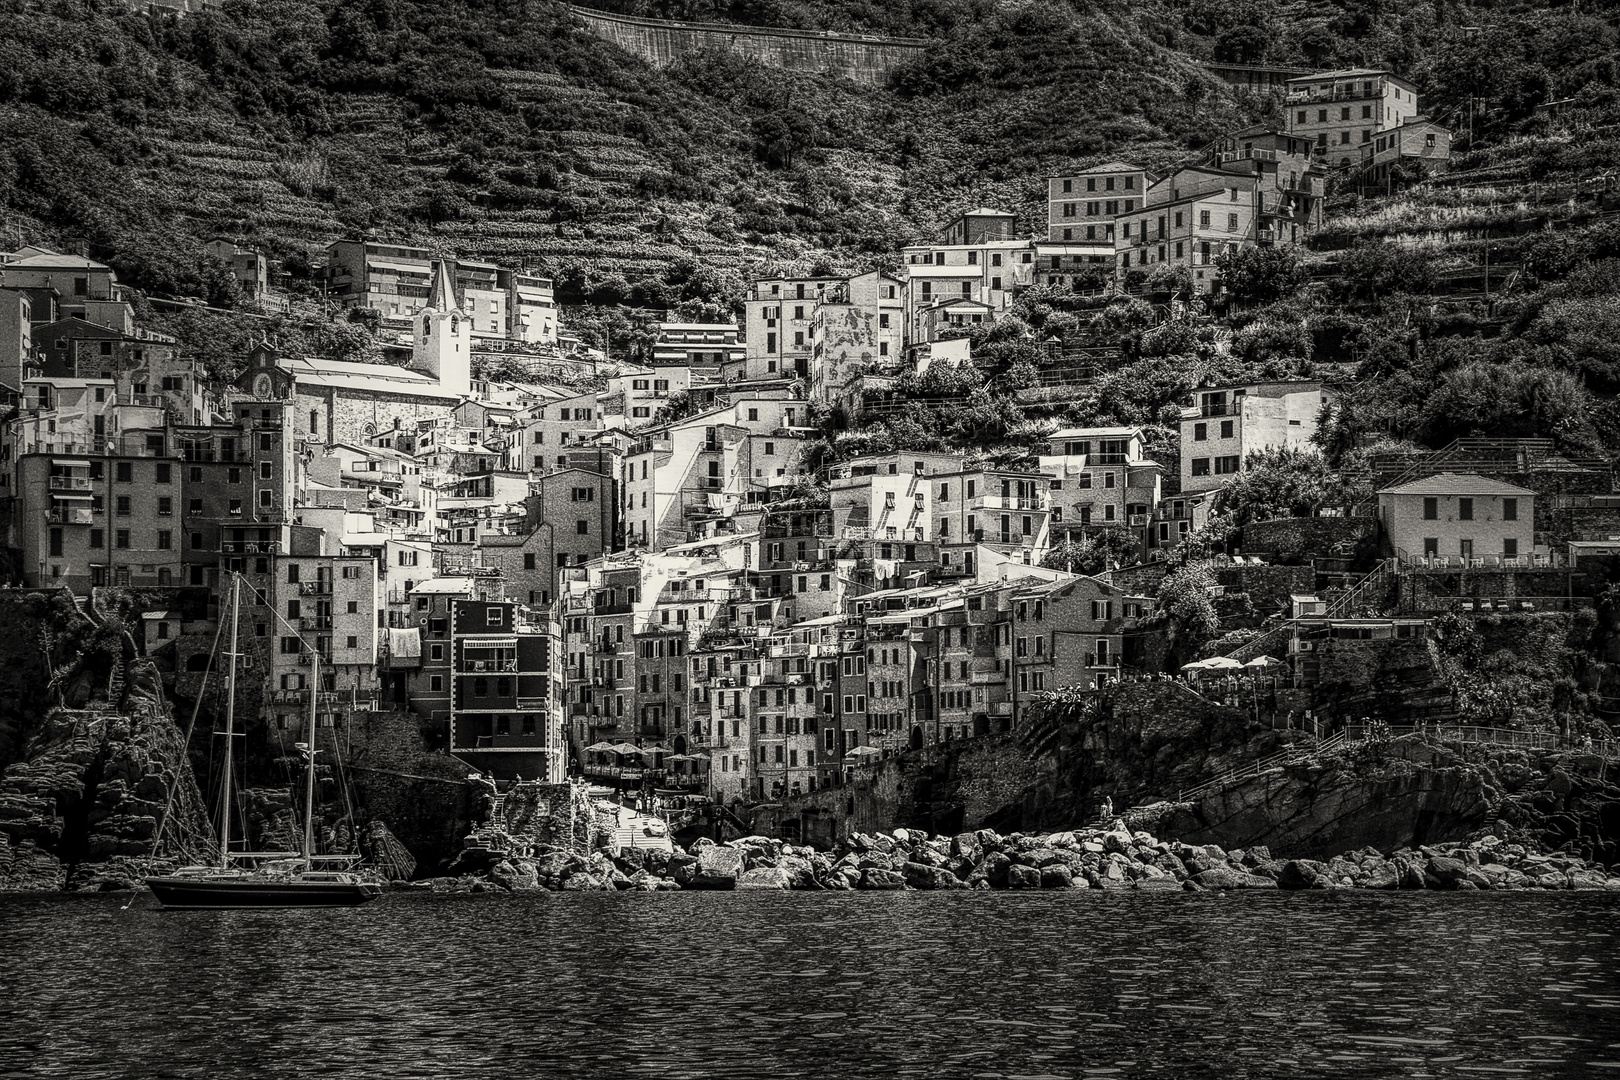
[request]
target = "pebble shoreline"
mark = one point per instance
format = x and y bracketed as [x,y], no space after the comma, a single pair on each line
[1111,858]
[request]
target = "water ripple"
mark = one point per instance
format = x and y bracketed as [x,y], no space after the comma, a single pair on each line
[683,985]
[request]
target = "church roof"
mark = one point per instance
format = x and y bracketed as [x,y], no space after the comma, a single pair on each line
[442,296]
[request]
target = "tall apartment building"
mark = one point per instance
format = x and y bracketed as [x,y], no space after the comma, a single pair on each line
[483,299]
[394,279]
[1222,425]
[1099,478]
[705,349]
[1082,206]
[1252,195]
[1339,112]
[777,318]
[965,278]
[531,307]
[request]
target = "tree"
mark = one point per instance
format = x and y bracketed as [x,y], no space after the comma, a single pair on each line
[1095,552]
[780,136]
[1259,275]
[1185,605]
[678,406]
[1284,482]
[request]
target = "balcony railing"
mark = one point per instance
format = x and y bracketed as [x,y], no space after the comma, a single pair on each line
[315,622]
[70,515]
[249,547]
[70,483]
[318,587]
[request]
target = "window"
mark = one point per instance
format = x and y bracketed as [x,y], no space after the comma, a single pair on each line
[582,528]
[165,505]
[1231,223]
[165,474]
[122,472]
[1510,509]
[1465,509]
[1431,509]
[165,540]
[1226,429]
[1203,218]
[1200,466]
[1200,432]
[1228,464]
[123,506]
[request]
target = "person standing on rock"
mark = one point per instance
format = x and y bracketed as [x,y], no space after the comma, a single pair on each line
[1107,808]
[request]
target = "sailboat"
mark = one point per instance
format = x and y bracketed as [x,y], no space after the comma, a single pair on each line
[229,886]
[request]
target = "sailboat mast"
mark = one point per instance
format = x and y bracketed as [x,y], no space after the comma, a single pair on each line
[309,783]
[230,728]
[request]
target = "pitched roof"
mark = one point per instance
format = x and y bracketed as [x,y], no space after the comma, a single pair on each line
[1455,484]
[1343,73]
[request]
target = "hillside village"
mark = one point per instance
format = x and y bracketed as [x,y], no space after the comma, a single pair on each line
[866,518]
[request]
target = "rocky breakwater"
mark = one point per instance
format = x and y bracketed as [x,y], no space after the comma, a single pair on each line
[1116,858]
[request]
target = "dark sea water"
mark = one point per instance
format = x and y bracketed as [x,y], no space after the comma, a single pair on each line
[1067,984]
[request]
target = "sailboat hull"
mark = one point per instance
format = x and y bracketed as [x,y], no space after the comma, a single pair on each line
[180,892]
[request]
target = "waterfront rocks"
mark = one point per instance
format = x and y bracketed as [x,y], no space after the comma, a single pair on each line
[1111,859]
[719,867]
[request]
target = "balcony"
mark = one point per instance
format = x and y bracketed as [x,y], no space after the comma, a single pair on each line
[70,515]
[315,622]
[318,587]
[70,483]
[249,547]
[1234,408]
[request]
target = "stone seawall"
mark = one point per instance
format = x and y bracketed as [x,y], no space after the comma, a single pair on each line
[660,42]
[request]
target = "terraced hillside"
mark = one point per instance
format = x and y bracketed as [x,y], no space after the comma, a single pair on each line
[500,129]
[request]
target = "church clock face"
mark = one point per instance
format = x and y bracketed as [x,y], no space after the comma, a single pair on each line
[262,387]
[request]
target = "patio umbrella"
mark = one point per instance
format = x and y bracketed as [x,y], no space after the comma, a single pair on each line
[864,751]
[599,748]
[645,750]
[1262,662]
[625,748]
[1220,663]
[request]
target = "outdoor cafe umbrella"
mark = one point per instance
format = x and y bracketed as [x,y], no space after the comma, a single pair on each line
[599,748]
[1262,662]
[646,750]
[864,751]
[1214,663]
[625,748]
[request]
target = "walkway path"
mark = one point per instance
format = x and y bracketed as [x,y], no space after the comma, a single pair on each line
[631,831]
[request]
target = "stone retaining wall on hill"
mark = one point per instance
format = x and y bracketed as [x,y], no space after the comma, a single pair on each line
[660,42]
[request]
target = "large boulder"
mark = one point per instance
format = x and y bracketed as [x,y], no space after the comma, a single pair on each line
[966,845]
[882,879]
[718,868]
[518,876]
[1443,872]
[1023,877]
[801,872]
[765,877]
[1378,874]
[1057,876]
[583,882]
[1591,879]
[992,870]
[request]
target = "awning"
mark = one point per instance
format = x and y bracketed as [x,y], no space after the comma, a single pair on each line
[71,463]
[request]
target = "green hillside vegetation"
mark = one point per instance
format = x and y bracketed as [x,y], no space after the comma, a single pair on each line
[499,129]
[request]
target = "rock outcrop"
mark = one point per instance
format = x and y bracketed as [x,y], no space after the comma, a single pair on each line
[1115,858]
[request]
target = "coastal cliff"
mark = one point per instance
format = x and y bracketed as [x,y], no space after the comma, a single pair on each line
[93,754]
[1154,748]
